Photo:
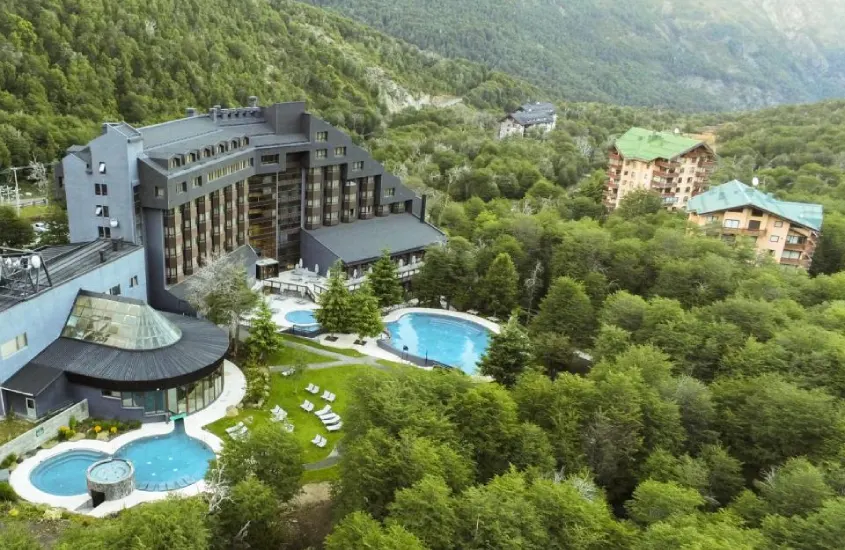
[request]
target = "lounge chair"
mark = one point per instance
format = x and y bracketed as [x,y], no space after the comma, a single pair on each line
[313,389]
[330,415]
[288,372]
[276,410]
[230,430]
[240,434]
[331,397]
[317,439]
[330,419]
[335,427]
[307,406]
[326,395]
[324,410]
[280,416]
[288,427]
[323,442]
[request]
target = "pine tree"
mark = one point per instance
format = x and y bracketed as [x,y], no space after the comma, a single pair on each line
[367,314]
[500,286]
[264,338]
[385,281]
[566,309]
[335,313]
[508,354]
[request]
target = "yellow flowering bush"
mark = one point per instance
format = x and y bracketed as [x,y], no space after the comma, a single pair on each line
[97,429]
[113,429]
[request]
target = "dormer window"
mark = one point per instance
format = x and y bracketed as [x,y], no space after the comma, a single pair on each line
[102,168]
[175,162]
[234,144]
[192,157]
[206,152]
[245,141]
[221,149]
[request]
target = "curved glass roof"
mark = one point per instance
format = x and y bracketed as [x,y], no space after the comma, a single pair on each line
[119,323]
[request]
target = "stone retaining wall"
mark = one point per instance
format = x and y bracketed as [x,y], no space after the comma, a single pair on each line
[44,431]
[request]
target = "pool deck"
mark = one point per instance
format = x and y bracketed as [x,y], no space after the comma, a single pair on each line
[234,389]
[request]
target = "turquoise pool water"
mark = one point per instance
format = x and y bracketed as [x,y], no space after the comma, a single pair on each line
[443,339]
[162,463]
[64,474]
[301,317]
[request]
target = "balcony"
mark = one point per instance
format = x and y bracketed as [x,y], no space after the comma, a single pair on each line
[791,261]
[794,246]
[743,231]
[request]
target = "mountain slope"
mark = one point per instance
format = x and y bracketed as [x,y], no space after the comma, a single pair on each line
[722,54]
[67,65]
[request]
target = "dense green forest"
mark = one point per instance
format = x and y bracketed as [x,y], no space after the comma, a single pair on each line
[712,414]
[70,64]
[722,54]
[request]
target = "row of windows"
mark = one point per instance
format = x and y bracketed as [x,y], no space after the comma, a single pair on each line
[231,169]
[211,150]
[338,152]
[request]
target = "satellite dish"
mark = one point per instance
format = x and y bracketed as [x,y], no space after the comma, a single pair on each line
[35,262]
[756,181]
[98,210]
[113,222]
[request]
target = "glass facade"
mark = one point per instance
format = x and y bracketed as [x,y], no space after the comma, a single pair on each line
[183,399]
[119,323]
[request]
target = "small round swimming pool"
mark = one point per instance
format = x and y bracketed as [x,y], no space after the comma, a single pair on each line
[301,317]
[64,474]
[440,338]
[162,463]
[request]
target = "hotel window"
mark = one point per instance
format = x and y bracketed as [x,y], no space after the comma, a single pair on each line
[13,346]
[159,192]
[182,187]
[101,189]
[774,239]
[322,136]
[711,219]
[351,212]
[115,290]
[791,255]
[390,192]
[340,151]
[270,159]
[192,157]
[104,232]
[221,148]
[321,153]
[756,213]
[778,224]
[196,182]
[102,210]
[111,394]
[796,239]
[206,152]
[358,166]
[732,224]
[133,282]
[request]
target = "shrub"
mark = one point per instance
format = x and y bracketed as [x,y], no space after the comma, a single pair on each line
[10,459]
[65,433]
[73,423]
[97,429]
[113,429]
[7,494]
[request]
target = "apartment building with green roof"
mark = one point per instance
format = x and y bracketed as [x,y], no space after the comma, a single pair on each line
[786,231]
[675,166]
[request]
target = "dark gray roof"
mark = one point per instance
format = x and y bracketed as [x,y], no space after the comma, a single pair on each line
[529,118]
[243,255]
[64,263]
[32,379]
[365,239]
[537,107]
[200,350]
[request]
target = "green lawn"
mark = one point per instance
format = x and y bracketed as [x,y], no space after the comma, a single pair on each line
[292,356]
[289,393]
[318,476]
[386,363]
[35,211]
[316,345]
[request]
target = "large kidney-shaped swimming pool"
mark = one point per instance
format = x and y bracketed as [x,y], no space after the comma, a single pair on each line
[162,463]
[444,339]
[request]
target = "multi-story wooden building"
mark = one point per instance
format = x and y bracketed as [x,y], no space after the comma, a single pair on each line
[673,165]
[536,117]
[787,231]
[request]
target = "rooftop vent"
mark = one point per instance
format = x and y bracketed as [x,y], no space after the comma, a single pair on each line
[190,112]
[253,101]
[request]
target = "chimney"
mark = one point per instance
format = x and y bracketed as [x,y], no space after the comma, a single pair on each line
[102,256]
[422,208]
[190,112]
[116,244]
[253,101]
[215,112]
